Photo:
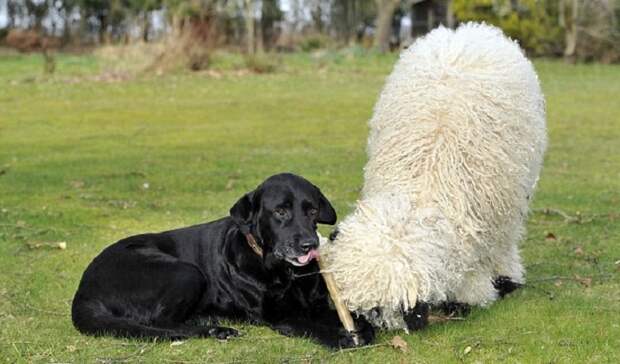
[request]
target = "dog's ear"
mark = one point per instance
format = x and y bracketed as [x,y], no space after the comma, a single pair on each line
[243,210]
[327,214]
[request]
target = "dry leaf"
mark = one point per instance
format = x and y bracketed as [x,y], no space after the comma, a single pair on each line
[77,184]
[62,245]
[550,236]
[585,281]
[397,342]
[467,350]
[176,343]
[229,184]
[578,251]
[558,283]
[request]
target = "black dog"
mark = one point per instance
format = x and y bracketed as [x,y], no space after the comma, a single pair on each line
[256,265]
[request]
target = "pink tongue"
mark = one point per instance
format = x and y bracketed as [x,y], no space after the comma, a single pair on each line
[312,254]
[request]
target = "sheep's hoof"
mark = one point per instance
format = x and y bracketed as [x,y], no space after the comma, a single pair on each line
[417,318]
[334,234]
[504,285]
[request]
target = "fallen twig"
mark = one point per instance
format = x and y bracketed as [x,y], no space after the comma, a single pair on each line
[566,278]
[578,218]
[360,348]
[124,359]
[567,218]
[54,313]
[434,319]
[235,361]
[253,338]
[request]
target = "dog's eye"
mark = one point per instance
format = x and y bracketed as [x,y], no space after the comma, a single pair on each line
[280,212]
[313,212]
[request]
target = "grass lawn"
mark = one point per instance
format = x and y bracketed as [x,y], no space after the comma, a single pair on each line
[87,162]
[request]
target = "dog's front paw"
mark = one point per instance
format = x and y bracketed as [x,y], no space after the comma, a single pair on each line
[222,333]
[364,335]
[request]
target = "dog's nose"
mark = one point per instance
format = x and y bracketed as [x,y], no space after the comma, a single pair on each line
[309,244]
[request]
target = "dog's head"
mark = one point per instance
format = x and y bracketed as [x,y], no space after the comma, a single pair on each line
[283,212]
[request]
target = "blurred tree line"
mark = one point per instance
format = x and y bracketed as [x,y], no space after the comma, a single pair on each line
[576,29]
[256,24]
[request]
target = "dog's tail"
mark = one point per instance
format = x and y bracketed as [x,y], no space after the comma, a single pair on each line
[94,318]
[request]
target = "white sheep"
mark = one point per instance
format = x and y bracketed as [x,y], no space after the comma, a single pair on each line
[455,149]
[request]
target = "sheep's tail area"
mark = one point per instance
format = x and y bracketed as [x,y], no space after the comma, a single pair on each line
[465,113]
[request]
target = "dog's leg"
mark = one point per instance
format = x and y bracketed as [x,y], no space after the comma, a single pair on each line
[327,330]
[178,303]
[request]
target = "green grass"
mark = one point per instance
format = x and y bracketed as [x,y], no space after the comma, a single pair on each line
[75,154]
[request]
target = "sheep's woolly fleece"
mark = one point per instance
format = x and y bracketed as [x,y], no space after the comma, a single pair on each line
[455,149]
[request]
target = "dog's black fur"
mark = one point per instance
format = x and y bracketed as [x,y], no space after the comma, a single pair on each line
[155,285]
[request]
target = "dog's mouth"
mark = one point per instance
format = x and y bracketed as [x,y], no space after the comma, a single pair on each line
[305,259]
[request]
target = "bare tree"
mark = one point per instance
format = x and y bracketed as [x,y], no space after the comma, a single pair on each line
[348,18]
[569,12]
[270,14]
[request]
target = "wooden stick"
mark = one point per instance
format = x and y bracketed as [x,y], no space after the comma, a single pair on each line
[341,308]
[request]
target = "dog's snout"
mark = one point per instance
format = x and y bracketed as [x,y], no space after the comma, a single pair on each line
[309,244]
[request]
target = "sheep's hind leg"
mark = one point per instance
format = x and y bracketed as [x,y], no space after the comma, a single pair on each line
[454,309]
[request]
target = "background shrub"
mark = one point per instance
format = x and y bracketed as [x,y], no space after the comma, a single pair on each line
[534,23]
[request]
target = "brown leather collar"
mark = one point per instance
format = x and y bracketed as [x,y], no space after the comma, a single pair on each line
[253,244]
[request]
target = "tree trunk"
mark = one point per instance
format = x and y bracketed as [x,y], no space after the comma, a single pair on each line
[83,34]
[10,13]
[146,25]
[385,11]
[317,17]
[571,29]
[450,15]
[103,29]
[66,28]
[430,19]
[350,22]
[260,46]
[249,24]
